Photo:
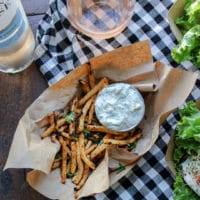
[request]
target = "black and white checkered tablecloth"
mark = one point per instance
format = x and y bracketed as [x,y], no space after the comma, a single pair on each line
[61,48]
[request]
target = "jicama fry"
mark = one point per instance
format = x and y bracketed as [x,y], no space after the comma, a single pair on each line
[122,136]
[82,151]
[68,166]
[64,159]
[73,109]
[123,142]
[60,123]
[84,86]
[48,131]
[66,135]
[102,129]
[68,151]
[99,149]
[91,111]
[90,149]
[56,165]
[91,77]
[50,118]
[85,141]
[103,83]
[62,128]
[84,113]
[76,179]
[73,157]
[84,178]
[57,159]
[53,138]
[89,143]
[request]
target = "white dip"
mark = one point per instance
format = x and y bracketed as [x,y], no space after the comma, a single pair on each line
[119,107]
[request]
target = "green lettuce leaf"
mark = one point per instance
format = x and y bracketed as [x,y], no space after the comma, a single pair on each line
[182,190]
[189,24]
[189,125]
[193,11]
[189,47]
[183,22]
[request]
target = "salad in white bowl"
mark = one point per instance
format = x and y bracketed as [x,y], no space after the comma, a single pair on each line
[186,155]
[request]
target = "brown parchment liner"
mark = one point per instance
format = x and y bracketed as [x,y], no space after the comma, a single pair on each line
[164,88]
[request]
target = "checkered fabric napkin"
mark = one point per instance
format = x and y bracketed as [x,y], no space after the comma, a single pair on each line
[61,48]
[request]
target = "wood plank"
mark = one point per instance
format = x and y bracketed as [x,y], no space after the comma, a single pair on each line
[14,187]
[17,92]
[33,7]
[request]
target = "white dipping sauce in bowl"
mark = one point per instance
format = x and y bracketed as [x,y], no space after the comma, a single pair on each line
[119,107]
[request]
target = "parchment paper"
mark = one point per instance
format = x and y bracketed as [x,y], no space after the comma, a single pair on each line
[164,88]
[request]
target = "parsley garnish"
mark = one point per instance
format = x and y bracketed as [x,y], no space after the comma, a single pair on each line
[70,175]
[64,114]
[58,155]
[75,139]
[70,117]
[131,146]
[101,142]
[120,168]
[86,132]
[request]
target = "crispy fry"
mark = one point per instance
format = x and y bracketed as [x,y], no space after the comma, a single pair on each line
[91,77]
[122,136]
[56,165]
[50,119]
[73,109]
[76,195]
[99,149]
[91,111]
[107,136]
[102,129]
[83,155]
[84,113]
[123,142]
[61,140]
[103,83]
[62,128]
[85,141]
[84,178]
[68,166]
[60,123]
[84,86]
[68,151]
[66,135]
[53,138]
[76,179]
[89,143]
[64,160]
[57,159]
[90,149]
[48,131]
[73,157]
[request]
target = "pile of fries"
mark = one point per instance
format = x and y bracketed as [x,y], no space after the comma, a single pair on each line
[82,138]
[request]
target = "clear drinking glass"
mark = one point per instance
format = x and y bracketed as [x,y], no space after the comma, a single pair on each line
[100,19]
[17,42]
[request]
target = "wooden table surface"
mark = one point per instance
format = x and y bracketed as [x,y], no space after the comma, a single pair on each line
[17,92]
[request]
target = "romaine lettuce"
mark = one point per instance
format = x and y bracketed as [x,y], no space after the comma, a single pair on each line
[189,24]
[189,47]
